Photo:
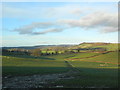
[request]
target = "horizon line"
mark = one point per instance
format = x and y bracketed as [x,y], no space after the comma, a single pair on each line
[59,44]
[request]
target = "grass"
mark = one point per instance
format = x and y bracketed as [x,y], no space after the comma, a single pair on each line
[109,47]
[72,55]
[22,70]
[91,74]
[84,55]
[24,66]
[109,57]
[86,64]
[51,51]
[92,77]
[48,51]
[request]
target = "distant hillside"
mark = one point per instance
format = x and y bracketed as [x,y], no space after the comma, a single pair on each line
[38,46]
[108,46]
[82,46]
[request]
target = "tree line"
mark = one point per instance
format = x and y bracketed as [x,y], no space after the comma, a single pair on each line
[38,52]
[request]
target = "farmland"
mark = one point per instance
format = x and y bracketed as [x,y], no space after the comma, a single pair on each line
[82,69]
[25,66]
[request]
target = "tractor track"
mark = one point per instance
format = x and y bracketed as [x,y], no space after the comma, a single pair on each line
[72,67]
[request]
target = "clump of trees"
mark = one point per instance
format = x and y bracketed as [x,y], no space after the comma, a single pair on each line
[15,52]
[48,51]
[36,52]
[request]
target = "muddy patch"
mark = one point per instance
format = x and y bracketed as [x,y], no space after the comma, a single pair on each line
[34,81]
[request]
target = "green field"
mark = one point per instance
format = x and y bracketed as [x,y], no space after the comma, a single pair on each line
[26,66]
[72,55]
[111,57]
[92,73]
[92,78]
[108,47]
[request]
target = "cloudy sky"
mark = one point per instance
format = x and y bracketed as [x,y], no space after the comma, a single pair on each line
[42,23]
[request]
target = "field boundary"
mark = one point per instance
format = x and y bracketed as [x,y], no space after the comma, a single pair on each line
[73,68]
[91,57]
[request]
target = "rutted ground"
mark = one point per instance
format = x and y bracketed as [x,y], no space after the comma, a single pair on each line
[34,81]
[39,81]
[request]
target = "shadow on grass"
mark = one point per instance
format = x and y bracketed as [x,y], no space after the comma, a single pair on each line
[70,56]
[26,70]
[31,57]
[92,78]
[22,70]
[87,77]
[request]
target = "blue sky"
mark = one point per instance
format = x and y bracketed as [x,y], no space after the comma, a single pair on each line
[42,23]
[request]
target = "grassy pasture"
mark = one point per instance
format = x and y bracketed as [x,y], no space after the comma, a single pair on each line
[92,77]
[111,57]
[84,55]
[87,64]
[72,55]
[52,51]
[109,47]
[25,66]
[56,61]
[94,74]
[91,74]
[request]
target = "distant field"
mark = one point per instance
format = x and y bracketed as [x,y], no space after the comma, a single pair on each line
[108,60]
[85,64]
[51,51]
[84,55]
[72,55]
[111,57]
[110,47]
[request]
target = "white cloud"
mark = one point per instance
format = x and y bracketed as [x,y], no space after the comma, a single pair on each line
[76,11]
[29,29]
[107,21]
[48,31]
[109,29]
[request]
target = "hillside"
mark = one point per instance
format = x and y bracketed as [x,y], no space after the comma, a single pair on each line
[107,46]
[38,46]
[83,65]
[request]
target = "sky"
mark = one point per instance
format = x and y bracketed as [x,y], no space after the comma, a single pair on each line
[48,23]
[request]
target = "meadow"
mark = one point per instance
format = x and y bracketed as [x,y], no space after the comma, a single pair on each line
[24,66]
[94,74]
[95,69]
[91,73]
